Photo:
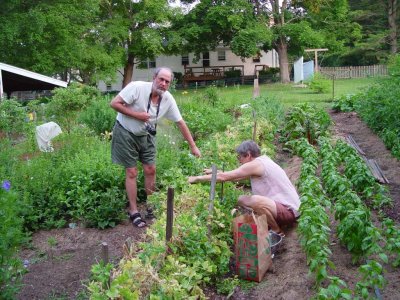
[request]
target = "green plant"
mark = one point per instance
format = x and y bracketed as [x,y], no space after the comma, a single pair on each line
[319,84]
[98,116]
[67,102]
[211,95]
[232,73]
[344,103]
[11,237]
[12,117]
[52,241]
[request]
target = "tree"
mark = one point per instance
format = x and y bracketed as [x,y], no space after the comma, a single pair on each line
[214,22]
[249,26]
[59,37]
[380,33]
[137,27]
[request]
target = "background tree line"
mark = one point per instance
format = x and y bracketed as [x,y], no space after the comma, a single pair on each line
[89,40]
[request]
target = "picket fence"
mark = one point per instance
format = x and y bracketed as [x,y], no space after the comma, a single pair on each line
[355,71]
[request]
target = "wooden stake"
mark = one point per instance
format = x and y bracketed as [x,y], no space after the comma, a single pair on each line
[255,126]
[104,252]
[170,214]
[212,195]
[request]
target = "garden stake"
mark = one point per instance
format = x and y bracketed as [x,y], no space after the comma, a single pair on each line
[212,195]
[221,197]
[170,214]
[104,252]
[255,126]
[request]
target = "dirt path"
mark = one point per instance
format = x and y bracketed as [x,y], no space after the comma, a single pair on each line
[60,271]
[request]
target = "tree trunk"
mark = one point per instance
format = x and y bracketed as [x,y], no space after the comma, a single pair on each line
[281,48]
[128,70]
[392,16]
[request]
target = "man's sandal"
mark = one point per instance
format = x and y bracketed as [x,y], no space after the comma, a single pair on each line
[137,220]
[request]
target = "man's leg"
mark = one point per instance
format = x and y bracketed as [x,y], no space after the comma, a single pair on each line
[263,206]
[131,188]
[149,185]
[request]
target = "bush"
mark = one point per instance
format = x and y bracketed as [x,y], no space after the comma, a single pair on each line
[99,116]
[11,237]
[75,183]
[319,84]
[269,74]
[12,117]
[67,102]
[232,73]
[204,119]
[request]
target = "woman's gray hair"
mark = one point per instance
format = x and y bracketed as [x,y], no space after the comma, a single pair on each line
[156,71]
[248,146]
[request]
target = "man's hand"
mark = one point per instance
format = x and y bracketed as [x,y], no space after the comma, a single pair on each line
[142,116]
[195,151]
[207,171]
[192,179]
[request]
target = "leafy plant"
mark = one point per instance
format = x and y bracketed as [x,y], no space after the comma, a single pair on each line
[11,238]
[98,116]
[319,84]
[12,117]
[67,102]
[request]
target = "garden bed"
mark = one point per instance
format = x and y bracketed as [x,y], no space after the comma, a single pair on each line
[60,260]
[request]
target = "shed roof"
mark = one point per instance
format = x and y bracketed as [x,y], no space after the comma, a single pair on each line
[13,79]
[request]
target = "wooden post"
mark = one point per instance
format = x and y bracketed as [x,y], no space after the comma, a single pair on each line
[170,214]
[212,195]
[104,252]
[316,68]
[256,88]
[255,126]
[221,197]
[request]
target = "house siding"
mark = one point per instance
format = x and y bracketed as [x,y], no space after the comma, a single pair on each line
[174,62]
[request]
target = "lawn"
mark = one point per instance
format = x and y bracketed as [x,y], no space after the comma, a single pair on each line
[288,94]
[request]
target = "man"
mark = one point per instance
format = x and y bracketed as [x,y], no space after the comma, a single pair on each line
[140,105]
[273,194]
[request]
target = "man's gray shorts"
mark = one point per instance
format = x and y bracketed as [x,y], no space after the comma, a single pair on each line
[127,149]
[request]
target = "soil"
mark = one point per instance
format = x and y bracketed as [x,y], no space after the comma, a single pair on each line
[60,260]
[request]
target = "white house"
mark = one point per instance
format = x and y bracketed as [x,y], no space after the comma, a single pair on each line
[211,66]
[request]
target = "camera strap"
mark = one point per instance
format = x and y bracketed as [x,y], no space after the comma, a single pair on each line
[158,108]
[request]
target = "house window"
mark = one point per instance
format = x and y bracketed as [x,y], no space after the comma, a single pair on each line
[185,59]
[206,59]
[109,86]
[221,55]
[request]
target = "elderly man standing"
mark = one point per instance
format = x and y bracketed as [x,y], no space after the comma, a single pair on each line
[273,194]
[140,105]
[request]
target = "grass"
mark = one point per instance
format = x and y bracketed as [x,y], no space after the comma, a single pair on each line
[288,94]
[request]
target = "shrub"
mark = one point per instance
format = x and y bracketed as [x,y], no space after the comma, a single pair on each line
[319,84]
[67,102]
[269,74]
[12,117]
[232,73]
[11,237]
[99,116]
[76,182]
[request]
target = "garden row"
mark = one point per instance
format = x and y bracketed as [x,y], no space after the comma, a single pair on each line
[379,107]
[341,189]
[77,184]
[194,258]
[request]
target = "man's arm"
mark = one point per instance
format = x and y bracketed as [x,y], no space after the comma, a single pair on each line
[120,106]
[245,171]
[188,137]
